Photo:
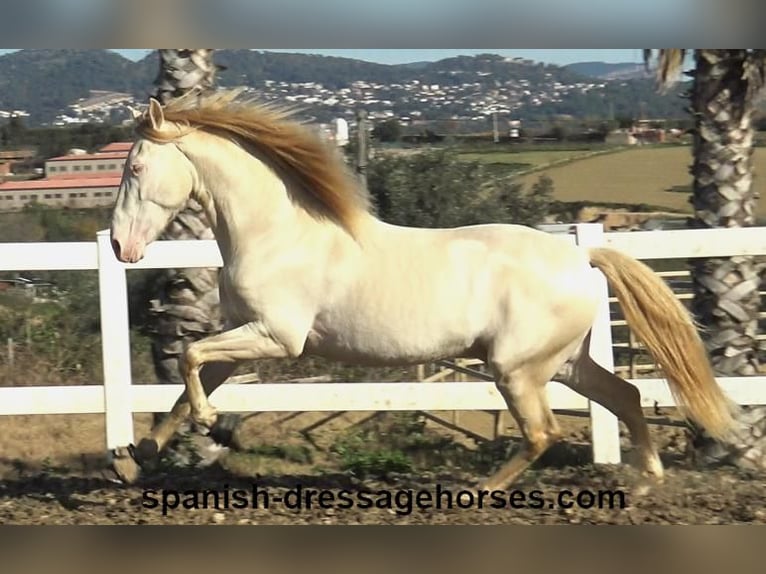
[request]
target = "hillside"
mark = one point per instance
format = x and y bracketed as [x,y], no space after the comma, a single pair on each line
[604,71]
[45,82]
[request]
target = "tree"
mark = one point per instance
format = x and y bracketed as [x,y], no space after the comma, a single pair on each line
[726,301]
[387,131]
[625,122]
[16,127]
[186,304]
[436,189]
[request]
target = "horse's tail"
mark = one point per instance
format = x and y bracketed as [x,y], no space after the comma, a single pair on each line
[666,328]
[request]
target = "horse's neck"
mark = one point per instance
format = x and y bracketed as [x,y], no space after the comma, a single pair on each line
[244,198]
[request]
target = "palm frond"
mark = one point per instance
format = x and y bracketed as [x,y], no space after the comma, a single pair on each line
[669,64]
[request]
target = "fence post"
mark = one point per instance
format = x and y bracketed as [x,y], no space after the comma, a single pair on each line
[605,427]
[115,345]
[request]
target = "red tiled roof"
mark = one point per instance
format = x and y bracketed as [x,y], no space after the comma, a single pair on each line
[61,183]
[78,157]
[116,146]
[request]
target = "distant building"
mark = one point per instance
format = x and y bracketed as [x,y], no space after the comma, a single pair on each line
[340,128]
[97,100]
[99,107]
[84,192]
[31,287]
[335,132]
[9,157]
[84,164]
[620,137]
[77,179]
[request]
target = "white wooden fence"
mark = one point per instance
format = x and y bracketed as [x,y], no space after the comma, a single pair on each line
[117,398]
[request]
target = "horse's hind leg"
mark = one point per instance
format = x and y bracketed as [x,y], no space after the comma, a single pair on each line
[127,464]
[524,393]
[212,375]
[621,398]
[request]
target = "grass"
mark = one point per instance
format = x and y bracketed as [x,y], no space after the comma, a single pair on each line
[404,442]
[360,456]
[530,159]
[654,176]
[379,447]
[269,459]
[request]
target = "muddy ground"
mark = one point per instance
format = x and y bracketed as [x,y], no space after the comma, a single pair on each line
[51,472]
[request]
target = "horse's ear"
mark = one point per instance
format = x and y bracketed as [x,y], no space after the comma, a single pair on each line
[156,117]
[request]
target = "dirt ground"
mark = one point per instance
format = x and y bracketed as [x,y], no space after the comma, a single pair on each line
[51,472]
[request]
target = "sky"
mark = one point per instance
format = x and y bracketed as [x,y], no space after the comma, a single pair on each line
[549,56]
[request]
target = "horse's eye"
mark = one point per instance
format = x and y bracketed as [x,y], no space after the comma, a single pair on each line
[136,168]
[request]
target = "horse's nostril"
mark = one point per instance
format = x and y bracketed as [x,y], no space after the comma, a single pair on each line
[116,247]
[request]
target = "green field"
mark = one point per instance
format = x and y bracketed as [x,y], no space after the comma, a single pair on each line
[532,159]
[647,175]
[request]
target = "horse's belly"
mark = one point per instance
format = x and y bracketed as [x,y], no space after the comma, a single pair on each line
[390,344]
[422,315]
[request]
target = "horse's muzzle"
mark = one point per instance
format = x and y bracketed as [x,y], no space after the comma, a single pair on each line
[131,252]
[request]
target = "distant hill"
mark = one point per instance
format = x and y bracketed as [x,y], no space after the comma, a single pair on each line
[45,82]
[604,71]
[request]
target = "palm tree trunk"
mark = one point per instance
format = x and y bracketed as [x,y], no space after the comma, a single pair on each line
[186,306]
[726,299]
[726,290]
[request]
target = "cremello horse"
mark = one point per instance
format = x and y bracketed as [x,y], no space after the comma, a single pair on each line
[308,269]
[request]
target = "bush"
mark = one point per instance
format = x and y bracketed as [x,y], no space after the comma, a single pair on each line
[61,336]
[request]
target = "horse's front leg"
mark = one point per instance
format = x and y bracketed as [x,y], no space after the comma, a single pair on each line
[249,342]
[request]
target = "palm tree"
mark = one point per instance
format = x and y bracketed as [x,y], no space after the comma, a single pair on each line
[183,71]
[726,301]
[185,306]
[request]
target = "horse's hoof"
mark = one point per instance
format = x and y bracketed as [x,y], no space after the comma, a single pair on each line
[146,451]
[205,417]
[223,430]
[124,465]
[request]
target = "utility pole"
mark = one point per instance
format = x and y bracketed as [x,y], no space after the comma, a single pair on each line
[362,135]
[495,134]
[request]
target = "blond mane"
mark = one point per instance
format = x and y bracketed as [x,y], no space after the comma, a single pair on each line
[289,144]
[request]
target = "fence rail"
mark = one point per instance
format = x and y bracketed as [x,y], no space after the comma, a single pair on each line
[117,398]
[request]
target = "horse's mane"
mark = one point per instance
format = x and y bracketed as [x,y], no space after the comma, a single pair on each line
[290,145]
